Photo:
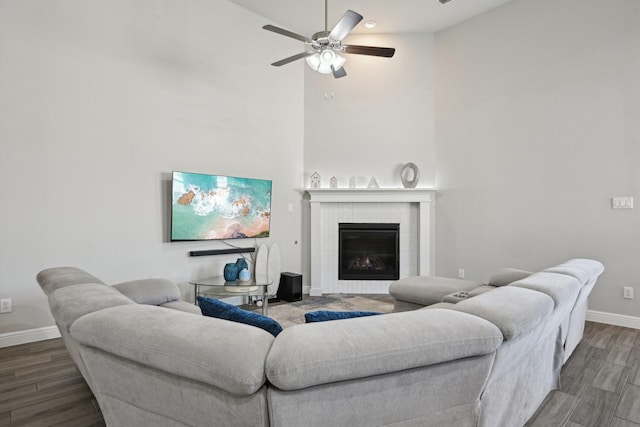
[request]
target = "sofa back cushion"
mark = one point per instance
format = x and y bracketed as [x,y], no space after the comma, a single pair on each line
[51,279]
[504,276]
[69,303]
[227,355]
[319,353]
[150,291]
[584,270]
[513,310]
[592,267]
[563,289]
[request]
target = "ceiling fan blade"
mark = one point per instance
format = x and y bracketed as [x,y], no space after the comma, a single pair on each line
[347,23]
[386,52]
[293,58]
[288,33]
[339,73]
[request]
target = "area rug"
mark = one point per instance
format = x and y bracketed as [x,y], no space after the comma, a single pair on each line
[289,314]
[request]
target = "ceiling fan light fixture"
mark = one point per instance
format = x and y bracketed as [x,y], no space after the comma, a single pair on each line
[324,60]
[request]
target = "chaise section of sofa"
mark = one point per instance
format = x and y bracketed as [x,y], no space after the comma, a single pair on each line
[541,316]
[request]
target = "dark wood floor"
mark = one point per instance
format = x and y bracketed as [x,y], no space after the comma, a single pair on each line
[40,385]
[600,382]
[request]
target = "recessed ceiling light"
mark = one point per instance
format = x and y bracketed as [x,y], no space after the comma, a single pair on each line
[370,24]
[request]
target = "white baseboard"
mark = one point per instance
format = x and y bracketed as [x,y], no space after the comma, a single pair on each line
[30,335]
[613,319]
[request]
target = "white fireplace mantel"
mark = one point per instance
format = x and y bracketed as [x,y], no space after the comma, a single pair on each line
[370,195]
[423,197]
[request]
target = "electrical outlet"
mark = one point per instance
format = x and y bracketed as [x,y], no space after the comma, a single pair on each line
[5,305]
[461,273]
[627,292]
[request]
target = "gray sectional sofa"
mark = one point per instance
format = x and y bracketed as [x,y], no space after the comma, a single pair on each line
[488,360]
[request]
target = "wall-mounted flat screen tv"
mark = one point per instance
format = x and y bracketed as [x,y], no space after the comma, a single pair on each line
[215,207]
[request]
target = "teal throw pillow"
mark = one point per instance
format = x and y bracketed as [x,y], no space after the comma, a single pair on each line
[222,310]
[324,315]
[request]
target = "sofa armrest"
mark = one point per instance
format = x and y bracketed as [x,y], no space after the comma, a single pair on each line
[224,354]
[320,353]
[150,291]
[427,290]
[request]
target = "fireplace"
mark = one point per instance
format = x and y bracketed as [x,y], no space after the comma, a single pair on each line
[368,251]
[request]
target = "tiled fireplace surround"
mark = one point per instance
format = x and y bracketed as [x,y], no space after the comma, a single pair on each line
[411,208]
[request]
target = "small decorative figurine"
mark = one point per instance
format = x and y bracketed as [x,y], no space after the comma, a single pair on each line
[333,183]
[410,174]
[373,183]
[315,180]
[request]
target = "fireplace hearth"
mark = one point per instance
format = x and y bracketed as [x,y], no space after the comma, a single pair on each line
[368,251]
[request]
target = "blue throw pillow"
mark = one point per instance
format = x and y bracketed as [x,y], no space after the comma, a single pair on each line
[324,315]
[222,310]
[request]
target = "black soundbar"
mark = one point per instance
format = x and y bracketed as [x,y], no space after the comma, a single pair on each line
[222,251]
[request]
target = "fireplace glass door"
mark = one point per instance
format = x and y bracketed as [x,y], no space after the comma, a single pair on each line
[369,251]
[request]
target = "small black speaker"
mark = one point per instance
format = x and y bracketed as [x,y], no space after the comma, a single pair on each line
[290,288]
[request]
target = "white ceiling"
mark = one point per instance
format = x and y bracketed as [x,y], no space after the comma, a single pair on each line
[393,16]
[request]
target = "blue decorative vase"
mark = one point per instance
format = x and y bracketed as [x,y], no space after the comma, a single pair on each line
[244,275]
[231,272]
[242,263]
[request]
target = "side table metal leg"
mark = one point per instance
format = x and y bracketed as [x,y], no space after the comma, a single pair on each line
[265,304]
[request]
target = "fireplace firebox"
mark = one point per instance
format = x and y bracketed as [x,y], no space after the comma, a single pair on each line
[368,251]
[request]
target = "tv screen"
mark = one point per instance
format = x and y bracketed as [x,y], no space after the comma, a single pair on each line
[214,207]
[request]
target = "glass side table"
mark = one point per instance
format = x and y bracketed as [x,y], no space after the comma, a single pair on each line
[218,288]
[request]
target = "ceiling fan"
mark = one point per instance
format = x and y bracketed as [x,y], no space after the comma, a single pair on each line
[325,46]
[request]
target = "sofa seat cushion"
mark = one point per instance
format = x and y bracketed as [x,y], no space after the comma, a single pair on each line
[427,290]
[326,315]
[51,279]
[150,291]
[513,310]
[320,353]
[222,310]
[227,355]
[69,303]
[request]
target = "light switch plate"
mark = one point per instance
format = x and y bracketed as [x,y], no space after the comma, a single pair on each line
[622,203]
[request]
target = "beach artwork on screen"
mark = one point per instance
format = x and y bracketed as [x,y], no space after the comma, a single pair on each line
[213,207]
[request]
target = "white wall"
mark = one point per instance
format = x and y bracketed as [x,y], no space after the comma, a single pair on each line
[381,115]
[99,102]
[373,121]
[537,128]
